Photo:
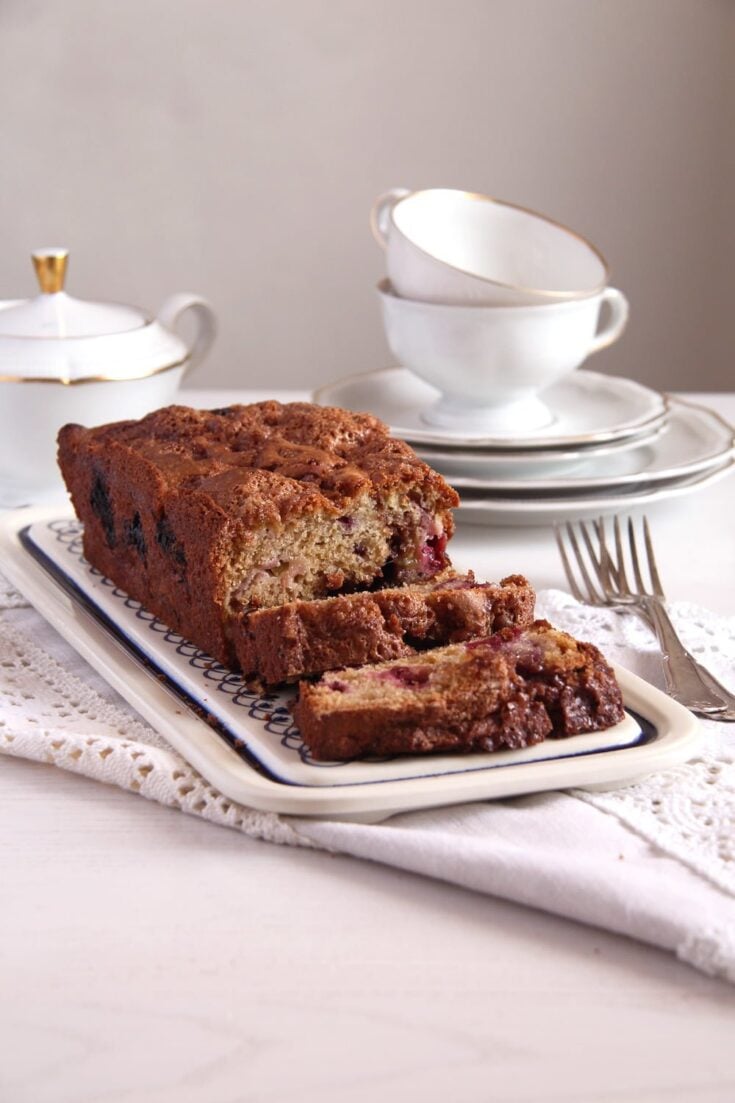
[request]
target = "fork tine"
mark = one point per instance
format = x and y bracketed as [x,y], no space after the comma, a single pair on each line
[601,560]
[608,570]
[594,556]
[657,587]
[594,597]
[576,592]
[622,578]
[634,556]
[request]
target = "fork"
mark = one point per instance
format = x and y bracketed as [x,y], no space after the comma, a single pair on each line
[687,681]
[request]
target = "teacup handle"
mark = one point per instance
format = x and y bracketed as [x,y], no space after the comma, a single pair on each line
[380,213]
[206,322]
[618,310]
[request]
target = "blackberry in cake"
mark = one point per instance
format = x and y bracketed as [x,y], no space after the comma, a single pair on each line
[206,516]
[508,690]
[304,638]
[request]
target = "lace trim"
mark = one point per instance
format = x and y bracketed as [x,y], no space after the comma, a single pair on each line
[688,812]
[48,715]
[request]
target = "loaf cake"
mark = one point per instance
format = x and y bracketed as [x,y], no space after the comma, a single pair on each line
[303,638]
[204,516]
[511,690]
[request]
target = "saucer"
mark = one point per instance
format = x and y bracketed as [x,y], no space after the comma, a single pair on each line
[491,463]
[545,509]
[693,439]
[587,408]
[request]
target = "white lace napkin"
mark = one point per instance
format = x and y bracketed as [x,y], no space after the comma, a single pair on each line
[655,861]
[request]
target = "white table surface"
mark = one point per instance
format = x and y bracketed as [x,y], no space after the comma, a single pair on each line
[147,957]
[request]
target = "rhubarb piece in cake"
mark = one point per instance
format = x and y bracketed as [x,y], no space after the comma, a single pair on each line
[508,690]
[303,638]
[203,515]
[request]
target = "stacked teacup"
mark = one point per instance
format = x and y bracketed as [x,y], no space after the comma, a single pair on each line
[490,303]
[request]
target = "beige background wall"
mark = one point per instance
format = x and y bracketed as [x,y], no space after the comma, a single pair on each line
[233,147]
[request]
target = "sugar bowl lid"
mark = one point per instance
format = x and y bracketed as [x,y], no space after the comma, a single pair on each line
[55,337]
[54,313]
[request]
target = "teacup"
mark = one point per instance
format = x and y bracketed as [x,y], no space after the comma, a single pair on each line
[491,362]
[449,246]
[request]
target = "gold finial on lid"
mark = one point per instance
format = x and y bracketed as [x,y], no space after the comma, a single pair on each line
[50,265]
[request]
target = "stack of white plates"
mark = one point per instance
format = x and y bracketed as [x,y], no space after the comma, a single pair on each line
[614,444]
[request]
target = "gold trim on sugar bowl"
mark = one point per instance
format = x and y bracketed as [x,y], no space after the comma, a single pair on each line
[66,382]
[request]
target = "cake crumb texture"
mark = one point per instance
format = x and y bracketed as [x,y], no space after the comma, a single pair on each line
[508,690]
[304,638]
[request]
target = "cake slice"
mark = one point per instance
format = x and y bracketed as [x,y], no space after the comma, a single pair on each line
[203,515]
[303,638]
[511,689]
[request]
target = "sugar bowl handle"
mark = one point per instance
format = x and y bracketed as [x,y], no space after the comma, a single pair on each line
[206,323]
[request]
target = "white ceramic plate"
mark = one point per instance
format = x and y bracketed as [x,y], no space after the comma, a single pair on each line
[248,746]
[588,408]
[490,463]
[546,509]
[693,439]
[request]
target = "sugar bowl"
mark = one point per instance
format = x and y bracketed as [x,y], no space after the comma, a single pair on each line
[64,359]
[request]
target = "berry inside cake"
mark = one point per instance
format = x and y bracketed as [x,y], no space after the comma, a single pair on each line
[511,689]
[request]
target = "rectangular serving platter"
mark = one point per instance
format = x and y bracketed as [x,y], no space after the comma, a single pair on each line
[247,745]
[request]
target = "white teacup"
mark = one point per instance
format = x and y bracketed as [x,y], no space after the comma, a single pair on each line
[490,362]
[448,246]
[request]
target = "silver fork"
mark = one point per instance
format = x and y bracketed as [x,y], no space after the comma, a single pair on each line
[606,583]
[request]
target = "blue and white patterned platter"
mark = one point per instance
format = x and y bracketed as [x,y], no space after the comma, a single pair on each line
[260,726]
[219,725]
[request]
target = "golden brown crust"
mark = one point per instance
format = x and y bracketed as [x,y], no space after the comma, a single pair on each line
[261,462]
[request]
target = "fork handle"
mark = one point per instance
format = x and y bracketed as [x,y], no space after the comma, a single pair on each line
[684,682]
